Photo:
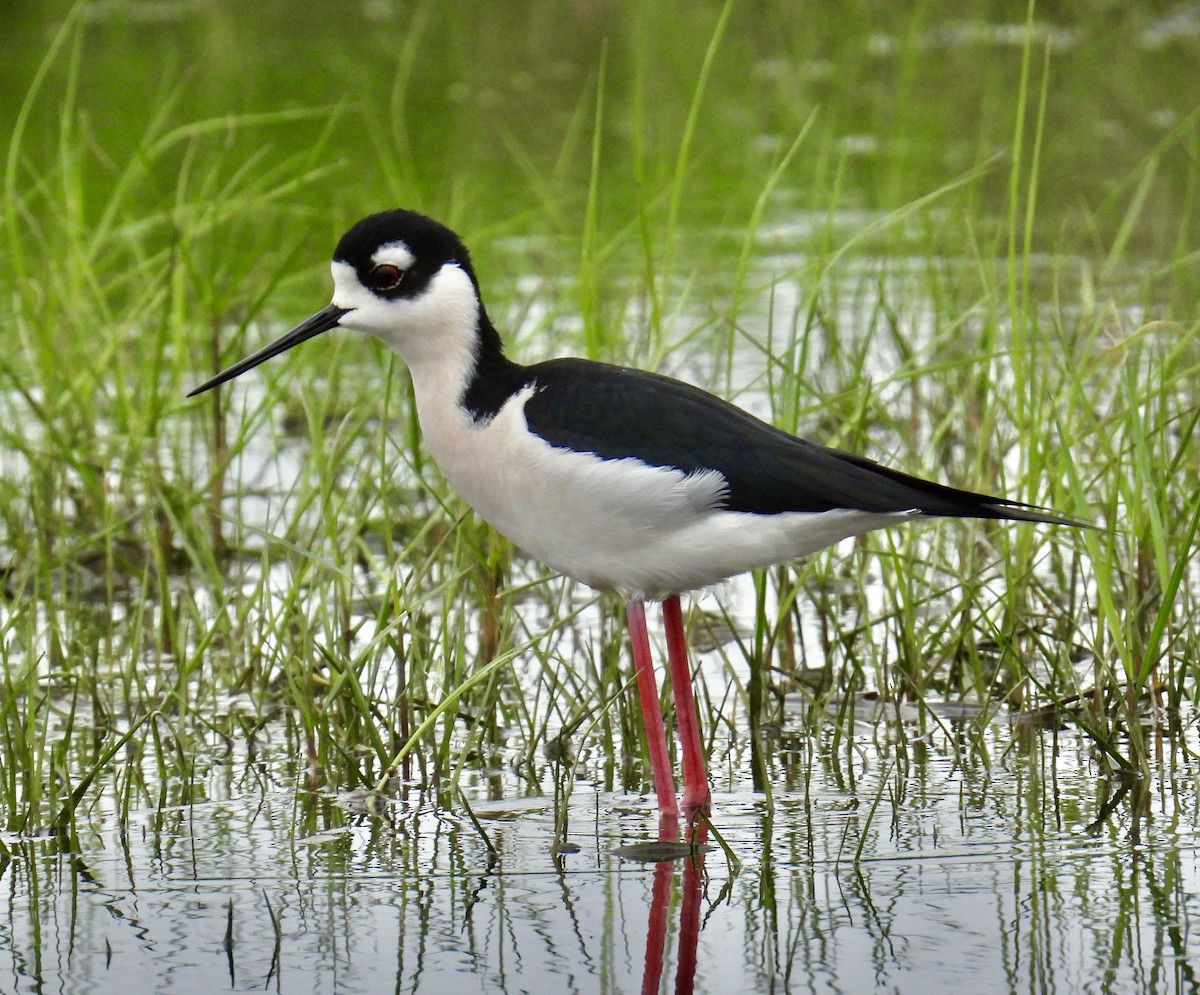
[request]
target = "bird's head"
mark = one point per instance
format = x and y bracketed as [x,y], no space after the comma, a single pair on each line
[399,276]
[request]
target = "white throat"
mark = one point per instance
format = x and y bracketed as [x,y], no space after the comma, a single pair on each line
[435,332]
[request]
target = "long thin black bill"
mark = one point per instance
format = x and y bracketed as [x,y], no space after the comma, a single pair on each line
[322,321]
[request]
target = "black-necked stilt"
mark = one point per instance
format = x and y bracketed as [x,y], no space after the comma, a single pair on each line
[628,481]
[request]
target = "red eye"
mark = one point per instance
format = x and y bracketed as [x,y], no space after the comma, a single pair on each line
[385,276]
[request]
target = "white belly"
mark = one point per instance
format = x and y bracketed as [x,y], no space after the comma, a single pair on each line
[617,525]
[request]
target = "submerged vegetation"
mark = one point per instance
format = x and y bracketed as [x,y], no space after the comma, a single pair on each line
[943,244]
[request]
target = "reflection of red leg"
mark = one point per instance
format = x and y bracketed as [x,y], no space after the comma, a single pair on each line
[696,796]
[656,936]
[689,923]
[656,733]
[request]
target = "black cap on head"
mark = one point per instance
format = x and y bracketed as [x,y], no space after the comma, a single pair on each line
[431,243]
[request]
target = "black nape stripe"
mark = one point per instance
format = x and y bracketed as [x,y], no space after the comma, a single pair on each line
[495,378]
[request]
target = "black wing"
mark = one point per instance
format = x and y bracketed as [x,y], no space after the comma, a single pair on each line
[619,413]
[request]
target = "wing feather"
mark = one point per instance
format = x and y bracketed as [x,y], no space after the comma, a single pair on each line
[620,413]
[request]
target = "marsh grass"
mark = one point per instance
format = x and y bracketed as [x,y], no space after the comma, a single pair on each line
[281,560]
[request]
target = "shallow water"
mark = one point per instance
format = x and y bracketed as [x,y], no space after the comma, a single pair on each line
[926,873]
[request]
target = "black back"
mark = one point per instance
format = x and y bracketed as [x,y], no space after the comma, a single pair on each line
[618,413]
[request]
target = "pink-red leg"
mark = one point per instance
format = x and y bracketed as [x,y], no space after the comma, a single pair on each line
[656,733]
[696,794]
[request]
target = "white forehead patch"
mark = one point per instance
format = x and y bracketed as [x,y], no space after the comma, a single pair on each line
[346,288]
[395,254]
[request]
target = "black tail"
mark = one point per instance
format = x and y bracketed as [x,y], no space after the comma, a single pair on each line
[905,492]
[1017,511]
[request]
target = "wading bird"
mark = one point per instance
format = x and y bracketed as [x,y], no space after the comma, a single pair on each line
[628,481]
